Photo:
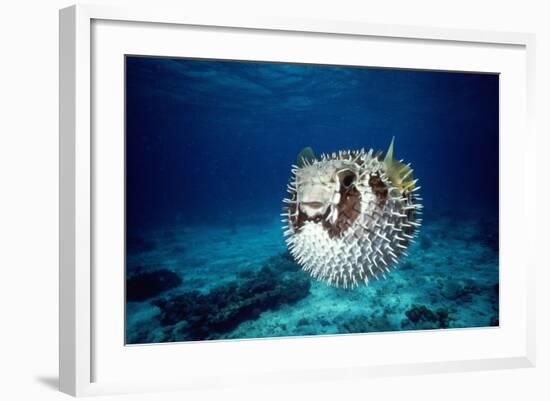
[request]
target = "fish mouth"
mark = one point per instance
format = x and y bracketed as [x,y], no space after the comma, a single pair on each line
[314,205]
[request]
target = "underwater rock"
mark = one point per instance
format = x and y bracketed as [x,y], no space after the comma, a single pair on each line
[147,285]
[222,309]
[424,318]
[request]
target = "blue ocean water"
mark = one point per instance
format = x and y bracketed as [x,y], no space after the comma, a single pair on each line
[209,145]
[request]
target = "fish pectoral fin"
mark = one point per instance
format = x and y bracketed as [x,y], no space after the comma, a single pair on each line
[306,156]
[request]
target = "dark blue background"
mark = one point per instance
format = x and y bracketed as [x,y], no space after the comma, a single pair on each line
[213,141]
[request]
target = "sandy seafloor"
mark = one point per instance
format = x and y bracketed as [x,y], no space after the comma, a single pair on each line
[449,280]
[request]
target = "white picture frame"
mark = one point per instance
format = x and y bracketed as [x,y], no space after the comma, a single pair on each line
[83,344]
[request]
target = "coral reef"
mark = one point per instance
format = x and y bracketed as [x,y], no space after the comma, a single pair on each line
[422,317]
[147,285]
[244,284]
[204,316]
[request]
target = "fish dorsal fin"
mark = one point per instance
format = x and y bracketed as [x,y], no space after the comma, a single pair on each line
[400,174]
[306,156]
[389,153]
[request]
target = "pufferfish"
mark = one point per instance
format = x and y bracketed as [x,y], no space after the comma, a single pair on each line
[351,215]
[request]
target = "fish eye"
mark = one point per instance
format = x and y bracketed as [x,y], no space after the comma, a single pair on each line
[347,179]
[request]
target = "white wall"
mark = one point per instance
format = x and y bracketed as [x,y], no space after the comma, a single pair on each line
[28,200]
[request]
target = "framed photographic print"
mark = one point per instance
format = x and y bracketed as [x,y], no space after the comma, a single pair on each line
[275,199]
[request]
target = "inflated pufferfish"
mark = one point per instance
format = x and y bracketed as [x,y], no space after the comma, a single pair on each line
[351,215]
